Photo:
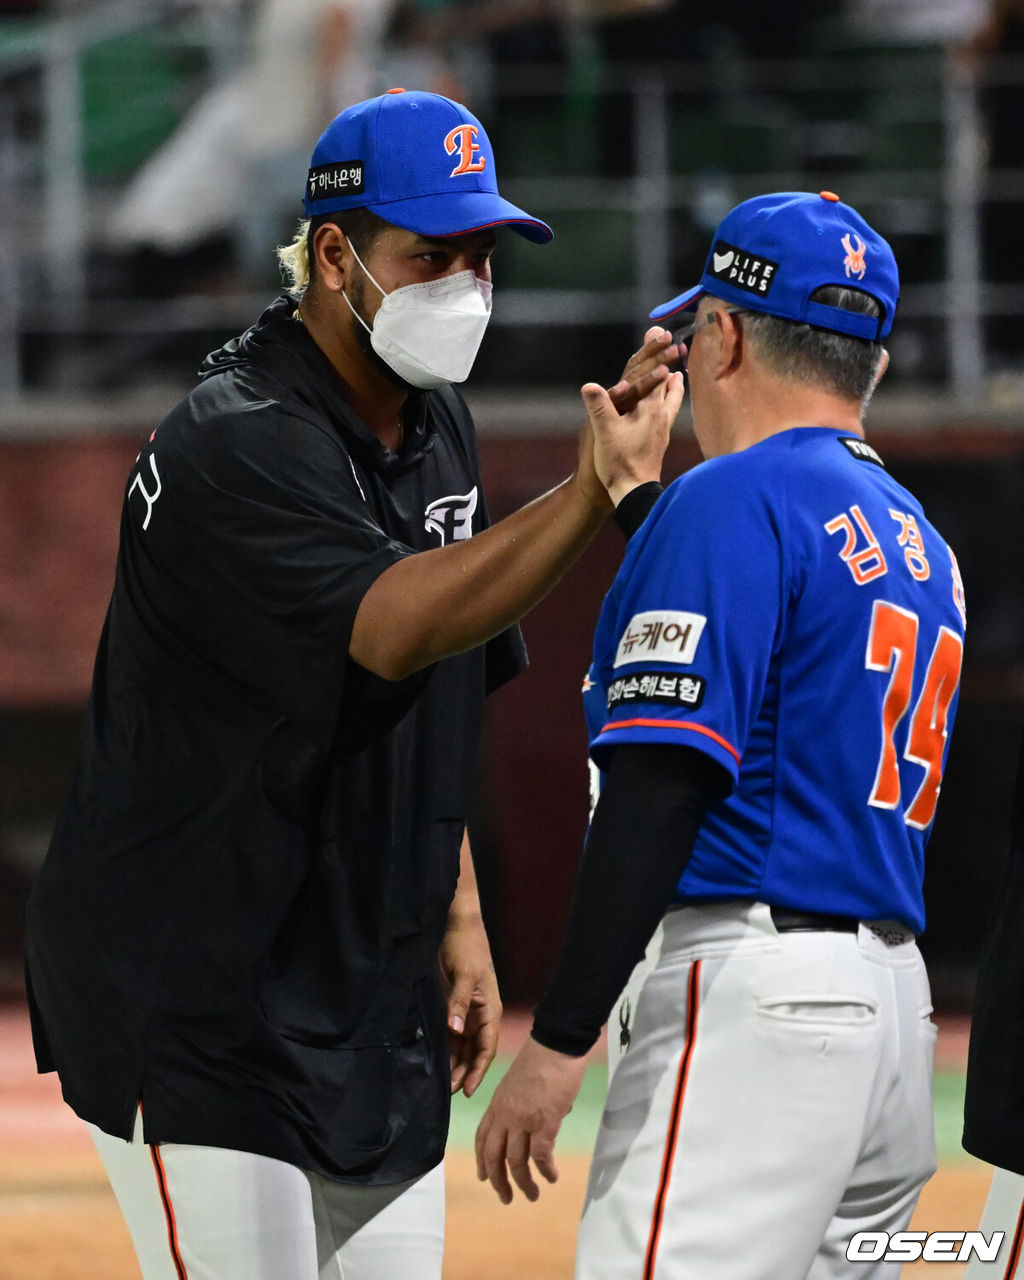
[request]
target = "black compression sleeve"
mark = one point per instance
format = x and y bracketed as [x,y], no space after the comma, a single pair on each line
[640,840]
[636,506]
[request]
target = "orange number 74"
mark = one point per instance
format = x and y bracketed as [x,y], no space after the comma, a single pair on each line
[892,647]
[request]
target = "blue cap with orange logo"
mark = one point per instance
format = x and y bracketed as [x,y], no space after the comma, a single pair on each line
[417,160]
[773,252]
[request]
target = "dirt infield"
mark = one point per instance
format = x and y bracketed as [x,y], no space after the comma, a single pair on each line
[58,1219]
[536,1241]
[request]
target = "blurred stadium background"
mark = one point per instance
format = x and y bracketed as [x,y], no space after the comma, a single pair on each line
[152,154]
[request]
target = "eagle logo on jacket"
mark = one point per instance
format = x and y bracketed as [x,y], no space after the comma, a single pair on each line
[452,516]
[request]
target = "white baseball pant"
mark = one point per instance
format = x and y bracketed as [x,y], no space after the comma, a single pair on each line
[206,1213]
[1004,1211]
[774,1099]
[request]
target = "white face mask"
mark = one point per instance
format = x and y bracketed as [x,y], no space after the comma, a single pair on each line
[430,333]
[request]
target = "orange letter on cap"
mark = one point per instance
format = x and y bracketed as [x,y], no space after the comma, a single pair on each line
[463,140]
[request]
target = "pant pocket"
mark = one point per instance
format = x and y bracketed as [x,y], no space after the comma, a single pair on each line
[817,1011]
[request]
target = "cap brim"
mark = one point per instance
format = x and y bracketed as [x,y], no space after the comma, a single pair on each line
[460,214]
[685,302]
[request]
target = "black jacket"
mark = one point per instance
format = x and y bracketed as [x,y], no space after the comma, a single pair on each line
[994,1103]
[238,919]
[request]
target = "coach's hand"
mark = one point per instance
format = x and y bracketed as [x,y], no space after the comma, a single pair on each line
[624,439]
[522,1122]
[645,369]
[629,446]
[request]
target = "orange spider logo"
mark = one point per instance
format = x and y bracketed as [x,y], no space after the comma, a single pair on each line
[854,260]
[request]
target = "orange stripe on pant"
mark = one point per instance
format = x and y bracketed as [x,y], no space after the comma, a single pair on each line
[692,1000]
[172,1227]
[1015,1249]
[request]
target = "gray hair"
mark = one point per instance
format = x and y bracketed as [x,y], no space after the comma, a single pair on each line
[843,365]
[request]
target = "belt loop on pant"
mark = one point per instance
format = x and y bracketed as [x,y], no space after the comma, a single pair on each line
[786,921]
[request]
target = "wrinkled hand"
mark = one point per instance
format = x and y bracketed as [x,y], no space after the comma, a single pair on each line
[624,445]
[523,1119]
[474,1005]
[645,369]
[630,444]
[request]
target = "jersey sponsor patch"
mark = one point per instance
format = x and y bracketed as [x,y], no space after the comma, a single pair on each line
[861,450]
[667,687]
[452,516]
[342,178]
[661,636]
[743,270]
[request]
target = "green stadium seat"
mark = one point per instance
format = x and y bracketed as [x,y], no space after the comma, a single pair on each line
[753,136]
[130,90]
[592,249]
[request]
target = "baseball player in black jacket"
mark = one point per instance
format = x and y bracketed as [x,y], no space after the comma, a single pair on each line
[994,1102]
[233,946]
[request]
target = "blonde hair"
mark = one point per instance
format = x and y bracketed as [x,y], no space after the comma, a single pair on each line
[360,226]
[294,260]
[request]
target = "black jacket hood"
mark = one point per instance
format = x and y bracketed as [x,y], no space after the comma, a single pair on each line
[256,343]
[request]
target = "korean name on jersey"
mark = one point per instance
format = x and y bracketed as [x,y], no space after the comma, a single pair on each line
[790,611]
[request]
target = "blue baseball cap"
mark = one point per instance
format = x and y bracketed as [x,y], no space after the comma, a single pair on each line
[417,160]
[772,252]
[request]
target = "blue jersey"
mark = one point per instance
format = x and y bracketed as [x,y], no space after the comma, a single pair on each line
[790,611]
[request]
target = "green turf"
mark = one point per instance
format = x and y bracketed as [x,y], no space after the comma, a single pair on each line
[581,1123]
[949,1115]
[578,1129]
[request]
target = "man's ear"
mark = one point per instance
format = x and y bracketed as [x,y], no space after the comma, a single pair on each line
[729,342]
[883,364]
[332,254]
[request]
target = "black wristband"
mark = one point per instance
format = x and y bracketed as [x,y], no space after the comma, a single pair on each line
[636,506]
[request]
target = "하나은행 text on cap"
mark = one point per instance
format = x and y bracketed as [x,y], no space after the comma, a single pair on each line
[417,160]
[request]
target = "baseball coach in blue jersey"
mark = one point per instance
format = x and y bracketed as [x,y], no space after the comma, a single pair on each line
[255,954]
[774,680]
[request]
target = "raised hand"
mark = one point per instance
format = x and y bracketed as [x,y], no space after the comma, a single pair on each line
[645,369]
[629,444]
